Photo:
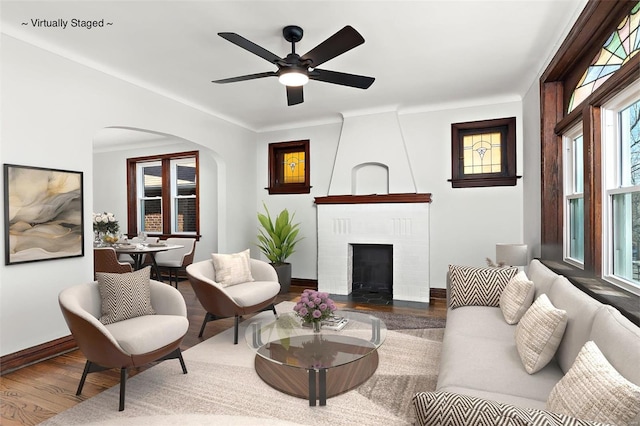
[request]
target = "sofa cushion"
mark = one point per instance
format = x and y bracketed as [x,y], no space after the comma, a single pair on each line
[478,286]
[581,310]
[538,334]
[491,364]
[516,297]
[124,296]
[592,389]
[232,269]
[444,408]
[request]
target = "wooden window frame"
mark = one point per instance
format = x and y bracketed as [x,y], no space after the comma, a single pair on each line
[132,189]
[507,176]
[276,150]
[592,28]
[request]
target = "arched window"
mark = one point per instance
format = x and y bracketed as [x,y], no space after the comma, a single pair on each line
[621,45]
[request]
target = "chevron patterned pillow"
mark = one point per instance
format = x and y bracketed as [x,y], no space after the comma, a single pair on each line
[124,296]
[472,286]
[593,389]
[446,408]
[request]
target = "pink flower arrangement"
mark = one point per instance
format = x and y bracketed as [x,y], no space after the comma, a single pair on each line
[314,306]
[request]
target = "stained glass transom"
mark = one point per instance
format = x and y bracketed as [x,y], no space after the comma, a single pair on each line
[293,167]
[482,153]
[621,46]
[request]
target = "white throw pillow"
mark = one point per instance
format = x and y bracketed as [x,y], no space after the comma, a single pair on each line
[232,269]
[124,296]
[593,389]
[473,286]
[539,332]
[516,298]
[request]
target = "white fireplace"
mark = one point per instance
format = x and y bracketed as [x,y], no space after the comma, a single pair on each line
[400,220]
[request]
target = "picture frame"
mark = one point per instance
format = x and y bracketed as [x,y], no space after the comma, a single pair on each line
[43,214]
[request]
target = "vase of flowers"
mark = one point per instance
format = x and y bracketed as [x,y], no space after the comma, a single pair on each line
[314,307]
[106,227]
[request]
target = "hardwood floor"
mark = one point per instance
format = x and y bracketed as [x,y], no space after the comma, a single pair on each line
[35,393]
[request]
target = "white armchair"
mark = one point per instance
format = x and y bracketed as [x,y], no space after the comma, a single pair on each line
[236,300]
[129,343]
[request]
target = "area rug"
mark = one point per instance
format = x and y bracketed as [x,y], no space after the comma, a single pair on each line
[222,387]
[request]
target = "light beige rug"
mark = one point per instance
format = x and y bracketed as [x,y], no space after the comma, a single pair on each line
[222,388]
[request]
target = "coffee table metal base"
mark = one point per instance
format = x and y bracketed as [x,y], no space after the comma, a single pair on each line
[316,384]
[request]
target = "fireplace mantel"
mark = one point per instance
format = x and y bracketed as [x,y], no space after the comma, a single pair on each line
[374,198]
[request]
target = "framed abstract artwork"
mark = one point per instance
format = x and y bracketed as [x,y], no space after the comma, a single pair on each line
[43,214]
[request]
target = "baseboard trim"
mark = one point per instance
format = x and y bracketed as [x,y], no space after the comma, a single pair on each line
[25,357]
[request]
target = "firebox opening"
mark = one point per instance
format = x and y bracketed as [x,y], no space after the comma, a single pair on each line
[372,270]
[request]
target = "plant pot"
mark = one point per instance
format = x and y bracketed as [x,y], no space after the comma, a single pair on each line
[284,276]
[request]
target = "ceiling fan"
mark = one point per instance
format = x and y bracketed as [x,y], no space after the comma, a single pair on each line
[294,70]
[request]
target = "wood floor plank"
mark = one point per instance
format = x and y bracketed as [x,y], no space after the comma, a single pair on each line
[32,394]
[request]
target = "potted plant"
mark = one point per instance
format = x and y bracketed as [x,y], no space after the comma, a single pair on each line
[277,240]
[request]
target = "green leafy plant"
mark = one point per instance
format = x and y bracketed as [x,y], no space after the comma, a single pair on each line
[277,240]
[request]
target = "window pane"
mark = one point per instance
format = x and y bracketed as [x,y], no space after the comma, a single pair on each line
[626,235]
[576,229]
[482,153]
[152,180]
[185,218]
[293,167]
[152,213]
[578,166]
[630,145]
[186,179]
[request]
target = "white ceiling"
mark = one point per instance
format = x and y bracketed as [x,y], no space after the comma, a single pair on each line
[423,54]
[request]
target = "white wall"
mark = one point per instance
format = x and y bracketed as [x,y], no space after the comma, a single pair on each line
[466,223]
[532,202]
[52,110]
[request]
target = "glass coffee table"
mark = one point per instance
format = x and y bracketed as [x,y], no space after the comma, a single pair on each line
[292,358]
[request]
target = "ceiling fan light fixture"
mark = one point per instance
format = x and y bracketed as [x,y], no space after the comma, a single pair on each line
[293,77]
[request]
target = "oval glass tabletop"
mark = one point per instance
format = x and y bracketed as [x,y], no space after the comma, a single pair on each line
[348,337]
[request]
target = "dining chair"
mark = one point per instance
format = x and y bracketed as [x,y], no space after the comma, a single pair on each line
[105,259]
[175,260]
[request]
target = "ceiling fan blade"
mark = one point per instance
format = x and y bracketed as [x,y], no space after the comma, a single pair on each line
[294,95]
[342,78]
[342,41]
[250,46]
[246,77]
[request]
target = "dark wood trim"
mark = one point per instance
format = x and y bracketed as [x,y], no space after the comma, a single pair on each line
[438,293]
[25,357]
[374,198]
[276,172]
[592,166]
[506,176]
[132,202]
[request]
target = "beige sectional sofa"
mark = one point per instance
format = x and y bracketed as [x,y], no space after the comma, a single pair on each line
[480,358]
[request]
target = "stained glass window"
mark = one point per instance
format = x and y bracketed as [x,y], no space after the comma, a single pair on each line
[482,153]
[293,167]
[289,167]
[621,46]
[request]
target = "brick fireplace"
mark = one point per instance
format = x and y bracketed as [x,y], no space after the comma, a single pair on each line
[399,220]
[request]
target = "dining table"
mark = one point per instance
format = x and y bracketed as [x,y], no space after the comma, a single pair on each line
[139,250]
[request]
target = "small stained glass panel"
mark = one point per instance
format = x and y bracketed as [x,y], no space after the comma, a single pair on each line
[482,153]
[293,167]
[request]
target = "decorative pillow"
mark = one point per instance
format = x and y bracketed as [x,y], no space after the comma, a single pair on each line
[593,389]
[539,332]
[516,298]
[478,286]
[446,408]
[232,269]
[124,296]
